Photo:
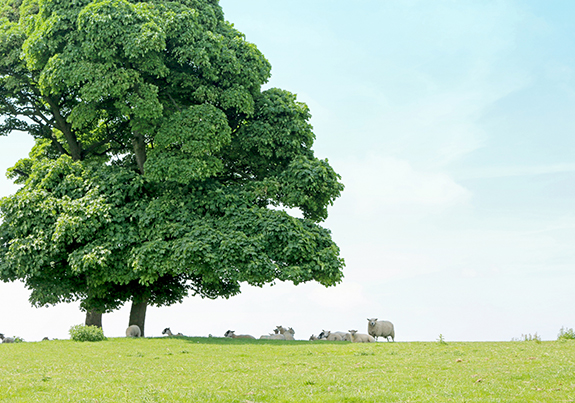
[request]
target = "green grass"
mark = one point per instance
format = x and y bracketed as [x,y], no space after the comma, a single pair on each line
[226,370]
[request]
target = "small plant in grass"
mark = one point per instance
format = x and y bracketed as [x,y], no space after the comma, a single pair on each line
[566,334]
[528,337]
[18,339]
[86,333]
[441,340]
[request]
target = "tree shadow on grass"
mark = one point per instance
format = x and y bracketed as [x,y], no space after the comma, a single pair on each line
[230,341]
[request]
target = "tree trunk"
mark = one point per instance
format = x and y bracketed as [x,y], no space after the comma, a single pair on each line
[138,314]
[94,318]
[139,144]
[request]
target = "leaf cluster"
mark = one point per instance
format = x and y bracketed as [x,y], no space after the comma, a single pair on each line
[86,333]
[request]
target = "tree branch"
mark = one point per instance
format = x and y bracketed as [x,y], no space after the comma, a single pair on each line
[64,127]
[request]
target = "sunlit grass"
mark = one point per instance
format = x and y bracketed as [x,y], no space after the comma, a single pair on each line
[226,370]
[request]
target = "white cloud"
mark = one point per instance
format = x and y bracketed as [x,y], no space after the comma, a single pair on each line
[377,182]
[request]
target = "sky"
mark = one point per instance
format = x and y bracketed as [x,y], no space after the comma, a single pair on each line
[451,124]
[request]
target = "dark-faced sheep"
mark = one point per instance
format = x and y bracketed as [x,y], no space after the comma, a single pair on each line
[6,339]
[233,335]
[170,334]
[380,328]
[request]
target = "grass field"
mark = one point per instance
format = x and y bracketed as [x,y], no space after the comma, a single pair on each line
[226,370]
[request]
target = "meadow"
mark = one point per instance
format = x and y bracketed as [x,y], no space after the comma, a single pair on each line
[226,370]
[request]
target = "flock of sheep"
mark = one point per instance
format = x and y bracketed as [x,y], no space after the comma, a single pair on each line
[375,328]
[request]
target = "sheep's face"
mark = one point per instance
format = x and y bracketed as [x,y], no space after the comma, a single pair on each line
[353,332]
[372,321]
[229,333]
[166,330]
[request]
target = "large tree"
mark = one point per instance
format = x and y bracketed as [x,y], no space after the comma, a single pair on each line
[160,163]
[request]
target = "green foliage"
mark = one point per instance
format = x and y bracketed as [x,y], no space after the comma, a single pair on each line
[529,337]
[159,163]
[226,370]
[441,340]
[566,334]
[86,333]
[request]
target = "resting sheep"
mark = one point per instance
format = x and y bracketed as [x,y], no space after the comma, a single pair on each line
[273,337]
[133,331]
[287,333]
[380,328]
[335,336]
[6,339]
[169,332]
[339,336]
[360,337]
[231,334]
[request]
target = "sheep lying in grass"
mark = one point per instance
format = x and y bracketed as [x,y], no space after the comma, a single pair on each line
[280,333]
[360,337]
[169,332]
[273,337]
[339,336]
[6,339]
[288,333]
[231,334]
[335,336]
[133,331]
[380,328]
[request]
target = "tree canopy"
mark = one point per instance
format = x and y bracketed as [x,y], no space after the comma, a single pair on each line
[160,166]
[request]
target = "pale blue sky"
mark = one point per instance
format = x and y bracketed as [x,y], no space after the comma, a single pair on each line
[451,124]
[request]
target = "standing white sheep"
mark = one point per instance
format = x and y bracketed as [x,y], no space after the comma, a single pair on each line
[133,331]
[380,328]
[360,337]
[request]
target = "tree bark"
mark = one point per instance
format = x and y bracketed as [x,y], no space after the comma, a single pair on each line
[94,318]
[139,144]
[138,314]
